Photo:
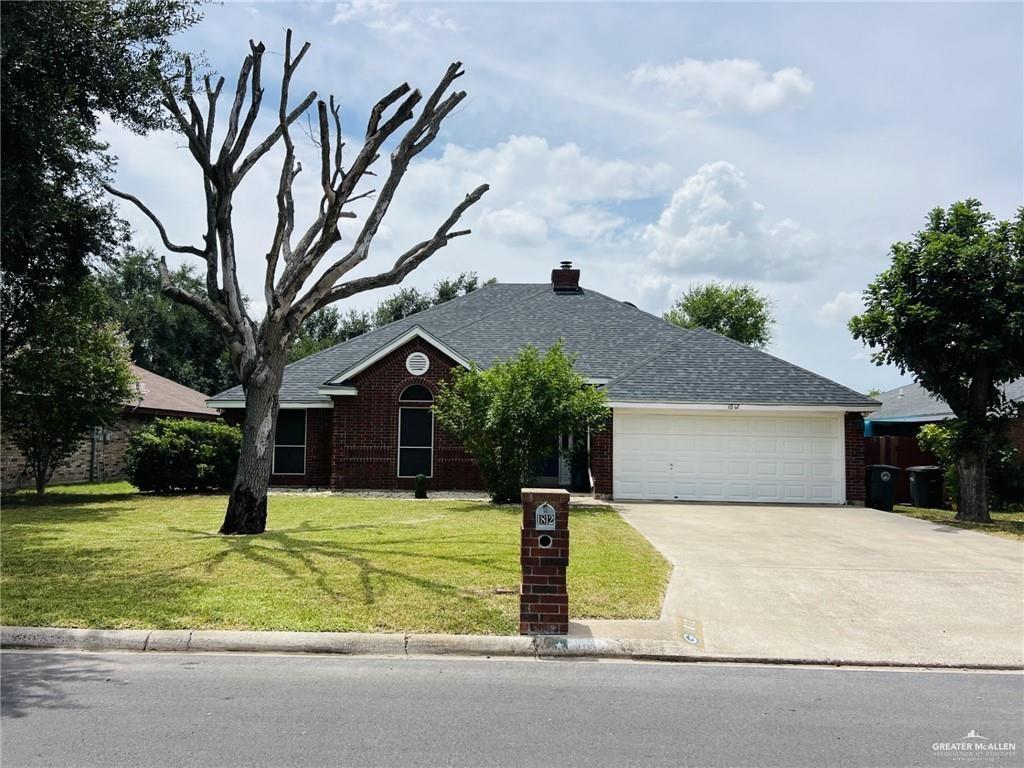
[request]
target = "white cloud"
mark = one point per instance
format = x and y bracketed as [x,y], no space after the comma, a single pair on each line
[386,15]
[536,190]
[591,224]
[362,10]
[514,227]
[837,312]
[726,84]
[712,226]
[527,169]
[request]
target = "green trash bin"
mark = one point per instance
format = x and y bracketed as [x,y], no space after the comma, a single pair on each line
[881,486]
[926,486]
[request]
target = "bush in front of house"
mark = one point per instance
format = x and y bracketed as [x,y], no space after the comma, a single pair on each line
[184,455]
[510,416]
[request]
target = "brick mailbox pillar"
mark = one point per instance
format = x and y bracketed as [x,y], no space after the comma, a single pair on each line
[544,556]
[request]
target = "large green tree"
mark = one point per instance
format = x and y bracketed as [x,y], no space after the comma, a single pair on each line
[738,311]
[166,337]
[64,66]
[509,417]
[175,341]
[59,385]
[950,310]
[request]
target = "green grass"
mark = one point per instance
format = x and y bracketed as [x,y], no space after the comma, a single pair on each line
[105,556]
[1004,522]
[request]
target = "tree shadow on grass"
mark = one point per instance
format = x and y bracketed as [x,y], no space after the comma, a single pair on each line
[55,501]
[294,554]
[49,581]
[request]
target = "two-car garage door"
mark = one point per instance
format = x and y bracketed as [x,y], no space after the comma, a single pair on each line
[755,456]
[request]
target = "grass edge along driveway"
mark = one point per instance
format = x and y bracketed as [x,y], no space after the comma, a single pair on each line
[104,556]
[1006,523]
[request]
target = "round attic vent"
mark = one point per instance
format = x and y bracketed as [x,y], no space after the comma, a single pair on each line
[417,363]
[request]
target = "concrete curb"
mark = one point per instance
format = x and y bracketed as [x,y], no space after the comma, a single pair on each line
[355,643]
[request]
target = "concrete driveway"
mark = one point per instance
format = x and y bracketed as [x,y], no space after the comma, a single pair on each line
[840,583]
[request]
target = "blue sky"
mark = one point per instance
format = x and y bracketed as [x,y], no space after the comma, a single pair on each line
[655,145]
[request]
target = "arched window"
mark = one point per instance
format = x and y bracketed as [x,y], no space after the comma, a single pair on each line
[416,393]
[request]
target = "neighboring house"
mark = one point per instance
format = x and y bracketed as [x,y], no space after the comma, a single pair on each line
[696,416]
[908,408]
[890,433]
[101,456]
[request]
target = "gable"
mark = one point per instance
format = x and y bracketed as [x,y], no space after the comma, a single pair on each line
[390,348]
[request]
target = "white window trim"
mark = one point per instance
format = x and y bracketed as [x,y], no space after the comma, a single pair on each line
[305,437]
[398,439]
[400,400]
[336,390]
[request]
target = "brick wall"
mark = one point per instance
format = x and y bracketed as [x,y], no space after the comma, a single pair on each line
[853,440]
[365,435]
[109,459]
[601,461]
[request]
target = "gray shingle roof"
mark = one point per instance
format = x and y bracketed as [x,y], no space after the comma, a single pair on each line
[647,359]
[912,402]
[704,366]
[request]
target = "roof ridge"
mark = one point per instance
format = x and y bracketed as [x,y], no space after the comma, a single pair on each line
[496,309]
[399,320]
[687,333]
[432,334]
[787,362]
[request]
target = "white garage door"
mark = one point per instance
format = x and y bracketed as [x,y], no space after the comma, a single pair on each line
[728,457]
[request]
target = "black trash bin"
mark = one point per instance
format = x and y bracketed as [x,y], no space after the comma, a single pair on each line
[926,486]
[881,486]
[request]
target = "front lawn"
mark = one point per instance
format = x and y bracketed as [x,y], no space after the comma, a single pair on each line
[1004,522]
[105,556]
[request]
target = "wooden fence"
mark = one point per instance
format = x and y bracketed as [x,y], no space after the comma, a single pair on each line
[902,451]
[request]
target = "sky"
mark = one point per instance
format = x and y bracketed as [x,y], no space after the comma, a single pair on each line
[656,146]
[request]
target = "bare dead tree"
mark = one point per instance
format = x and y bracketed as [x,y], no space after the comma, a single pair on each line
[259,349]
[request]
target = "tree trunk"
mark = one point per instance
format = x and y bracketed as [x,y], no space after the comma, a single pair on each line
[41,471]
[247,505]
[973,501]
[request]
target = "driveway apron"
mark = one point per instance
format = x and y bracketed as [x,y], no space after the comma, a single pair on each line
[839,583]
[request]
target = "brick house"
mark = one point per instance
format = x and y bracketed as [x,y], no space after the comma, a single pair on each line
[695,415]
[101,456]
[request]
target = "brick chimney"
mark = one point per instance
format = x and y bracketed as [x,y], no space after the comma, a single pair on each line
[565,279]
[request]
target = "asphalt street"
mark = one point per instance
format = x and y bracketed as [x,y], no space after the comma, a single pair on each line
[153,709]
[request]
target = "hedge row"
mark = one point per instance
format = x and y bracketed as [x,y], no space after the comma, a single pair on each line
[184,455]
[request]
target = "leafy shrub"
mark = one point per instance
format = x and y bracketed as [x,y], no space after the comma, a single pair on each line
[509,416]
[184,455]
[1005,467]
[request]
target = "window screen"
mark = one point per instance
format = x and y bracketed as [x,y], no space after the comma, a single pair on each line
[415,442]
[290,443]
